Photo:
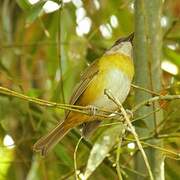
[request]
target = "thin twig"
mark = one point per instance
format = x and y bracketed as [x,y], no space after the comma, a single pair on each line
[153,99]
[145,90]
[27,45]
[116,101]
[133,171]
[161,149]
[146,115]
[154,146]
[81,109]
[75,158]
[59,50]
[133,120]
[171,135]
[118,168]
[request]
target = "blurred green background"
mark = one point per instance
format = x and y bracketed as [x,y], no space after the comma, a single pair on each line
[32,34]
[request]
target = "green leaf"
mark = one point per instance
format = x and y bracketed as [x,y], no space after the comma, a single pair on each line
[62,153]
[101,148]
[57,93]
[34,12]
[24,4]
[3,68]
[6,21]
[4,103]
[140,123]
[34,170]
[172,55]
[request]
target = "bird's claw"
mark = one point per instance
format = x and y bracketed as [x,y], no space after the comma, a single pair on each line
[92,110]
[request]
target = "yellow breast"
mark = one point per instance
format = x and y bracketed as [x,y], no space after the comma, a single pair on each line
[117,61]
[115,73]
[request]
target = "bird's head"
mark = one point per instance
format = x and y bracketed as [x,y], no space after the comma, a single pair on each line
[122,46]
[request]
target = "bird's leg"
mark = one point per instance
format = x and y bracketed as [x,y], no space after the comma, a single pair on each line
[89,127]
[92,124]
[92,110]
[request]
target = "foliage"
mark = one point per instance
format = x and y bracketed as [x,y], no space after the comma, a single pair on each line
[30,41]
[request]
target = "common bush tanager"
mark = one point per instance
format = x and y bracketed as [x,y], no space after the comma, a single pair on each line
[113,71]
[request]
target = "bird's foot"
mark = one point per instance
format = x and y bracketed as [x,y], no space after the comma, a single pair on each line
[92,110]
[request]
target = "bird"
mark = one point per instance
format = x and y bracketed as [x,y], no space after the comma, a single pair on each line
[114,71]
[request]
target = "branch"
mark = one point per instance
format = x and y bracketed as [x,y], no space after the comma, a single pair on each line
[153,99]
[81,109]
[127,120]
[75,158]
[59,50]
[145,90]
[118,168]
[155,147]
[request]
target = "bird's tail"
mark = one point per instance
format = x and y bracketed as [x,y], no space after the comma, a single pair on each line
[46,143]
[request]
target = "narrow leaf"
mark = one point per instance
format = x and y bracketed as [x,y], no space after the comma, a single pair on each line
[24,4]
[34,12]
[101,148]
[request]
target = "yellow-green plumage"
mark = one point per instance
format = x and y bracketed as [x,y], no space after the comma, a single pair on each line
[113,71]
[106,65]
[120,61]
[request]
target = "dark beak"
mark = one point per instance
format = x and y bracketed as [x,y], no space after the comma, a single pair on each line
[125,39]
